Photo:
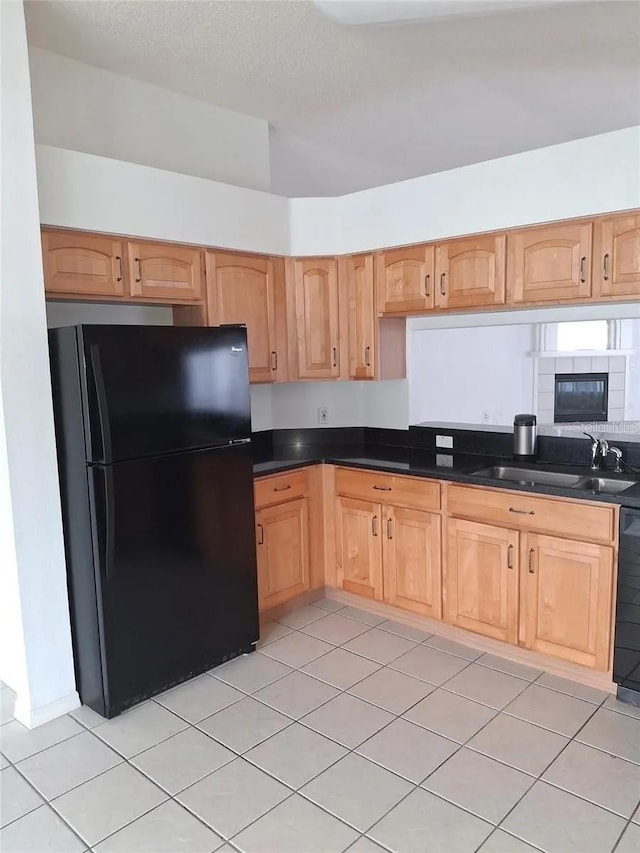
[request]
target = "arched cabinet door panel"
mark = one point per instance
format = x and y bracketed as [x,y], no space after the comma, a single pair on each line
[471,273]
[82,265]
[162,273]
[616,257]
[405,280]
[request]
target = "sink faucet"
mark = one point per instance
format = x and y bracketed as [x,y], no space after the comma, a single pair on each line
[600,449]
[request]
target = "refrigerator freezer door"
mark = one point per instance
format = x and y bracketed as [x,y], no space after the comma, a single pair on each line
[163,389]
[175,546]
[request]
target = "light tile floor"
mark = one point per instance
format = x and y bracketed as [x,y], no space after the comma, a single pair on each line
[342,732]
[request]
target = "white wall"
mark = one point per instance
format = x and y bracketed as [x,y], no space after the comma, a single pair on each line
[83,108]
[35,657]
[100,194]
[482,375]
[71,313]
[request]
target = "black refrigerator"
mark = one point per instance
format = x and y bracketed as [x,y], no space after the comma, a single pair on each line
[153,431]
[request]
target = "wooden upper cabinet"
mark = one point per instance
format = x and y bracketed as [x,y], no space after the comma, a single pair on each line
[566,604]
[359,547]
[163,273]
[550,264]
[314,286]
[77,264]
[616,257]
[471,273]
[356,281]
[405,280]
[411,560]
[481,588]
[240,289]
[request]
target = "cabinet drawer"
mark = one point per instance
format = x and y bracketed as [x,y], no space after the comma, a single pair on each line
[388,488]
[283,487]
[529,512]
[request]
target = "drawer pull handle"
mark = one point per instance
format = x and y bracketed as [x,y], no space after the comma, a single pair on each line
[367,356]
[532,571]
[374,525]
[335,357]
[510,557]
[281,488]
[605,267]
[583,261]
[261,531]
[120,269]
[274,360]
[522,511]
[426,284]
[382,488]
[443,290]
[389,529]
[139,263]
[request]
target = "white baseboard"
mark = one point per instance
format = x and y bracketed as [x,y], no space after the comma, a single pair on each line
[32,717]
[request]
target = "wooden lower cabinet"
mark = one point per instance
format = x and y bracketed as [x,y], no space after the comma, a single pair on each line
[411,560]
[359,547]
[481,585]
[283,552]
[566,599]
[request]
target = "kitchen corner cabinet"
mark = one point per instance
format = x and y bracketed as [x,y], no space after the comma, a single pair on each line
[83,265]
[242,289]
[567,591]
[312,289]
[163,273]
[282,537]
[471,273]
[481,592]
[388,539]
[550,264]
[405,280]
[376,346]
[616,257]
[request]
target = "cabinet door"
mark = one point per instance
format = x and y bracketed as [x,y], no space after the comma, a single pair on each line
[241,290]
[481,585]
[566,601]
[315,288]
[471,273]
[616,257]
[163,273]
[550,264]
[405,280]
[283,552]
[411,560]
[82,264]
[357,280]
[359,548]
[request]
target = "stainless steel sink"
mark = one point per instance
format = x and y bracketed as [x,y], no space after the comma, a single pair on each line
[605,485]
[601,485]
[529,476]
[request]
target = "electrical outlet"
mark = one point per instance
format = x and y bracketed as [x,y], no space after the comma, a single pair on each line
[323,415]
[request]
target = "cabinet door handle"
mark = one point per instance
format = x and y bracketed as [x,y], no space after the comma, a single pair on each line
[367,356]
[510,557]
[374,525]
[282,488]
[583,261]
[274,360]
[120,268]
[261,532]
[389,529]
[139,263]
[426,284]
[532,571]
[605,267]
[522,511]
[335,357]
[443,289]
[382,488]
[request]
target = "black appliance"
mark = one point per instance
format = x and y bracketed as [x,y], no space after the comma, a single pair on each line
[626,656]
[153,431]
[581,397]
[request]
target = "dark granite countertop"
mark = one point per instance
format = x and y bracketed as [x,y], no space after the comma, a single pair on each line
[442,465]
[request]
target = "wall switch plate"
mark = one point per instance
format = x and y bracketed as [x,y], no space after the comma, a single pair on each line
[444,441]
[323,415]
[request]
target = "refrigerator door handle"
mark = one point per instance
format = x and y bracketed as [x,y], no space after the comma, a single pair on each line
[104,502]
[102,410]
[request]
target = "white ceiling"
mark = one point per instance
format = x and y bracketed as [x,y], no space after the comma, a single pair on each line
[354,107]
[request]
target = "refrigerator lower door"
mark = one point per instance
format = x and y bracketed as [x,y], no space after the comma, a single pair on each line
[175,548]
